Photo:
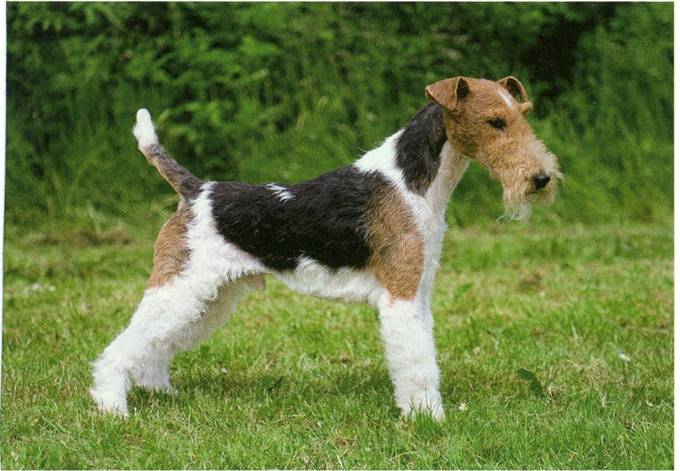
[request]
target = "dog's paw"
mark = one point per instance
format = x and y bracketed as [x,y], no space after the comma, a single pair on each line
[165,388]
[110,403]
[154,379]
[427,403]
[435,412]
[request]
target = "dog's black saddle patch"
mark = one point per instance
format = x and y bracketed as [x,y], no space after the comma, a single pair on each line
[325,219]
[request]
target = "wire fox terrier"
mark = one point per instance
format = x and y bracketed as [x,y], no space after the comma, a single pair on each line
[371,232]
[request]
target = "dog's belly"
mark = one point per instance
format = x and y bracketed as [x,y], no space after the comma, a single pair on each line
[311,277]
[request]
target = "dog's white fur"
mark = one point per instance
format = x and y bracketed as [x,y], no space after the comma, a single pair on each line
[280,192]
[505,96]
[143,130]
[177,315]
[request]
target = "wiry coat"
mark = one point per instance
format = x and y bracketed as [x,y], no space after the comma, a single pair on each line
[371,232]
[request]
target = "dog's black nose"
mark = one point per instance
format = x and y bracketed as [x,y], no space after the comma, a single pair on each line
[541,180]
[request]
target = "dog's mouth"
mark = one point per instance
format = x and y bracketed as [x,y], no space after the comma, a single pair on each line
[518,201]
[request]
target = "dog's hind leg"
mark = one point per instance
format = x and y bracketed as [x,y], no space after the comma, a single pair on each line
[143,350]
[154,375]
[171,255]
[196,281]
[180,307]
[170,318]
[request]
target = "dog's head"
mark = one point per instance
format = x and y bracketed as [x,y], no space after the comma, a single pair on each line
[486,122]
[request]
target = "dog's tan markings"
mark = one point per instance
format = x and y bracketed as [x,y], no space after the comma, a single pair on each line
[171,251]
[184,183]
[396,245]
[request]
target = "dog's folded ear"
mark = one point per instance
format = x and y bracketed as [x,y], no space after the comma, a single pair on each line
[517,90]
[448,92]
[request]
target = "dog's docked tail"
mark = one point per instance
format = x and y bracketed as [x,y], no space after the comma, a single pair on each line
[183,181]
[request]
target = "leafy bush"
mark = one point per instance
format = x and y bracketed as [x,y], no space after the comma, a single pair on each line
[286,91]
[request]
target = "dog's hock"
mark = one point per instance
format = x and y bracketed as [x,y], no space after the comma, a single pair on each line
[143,129]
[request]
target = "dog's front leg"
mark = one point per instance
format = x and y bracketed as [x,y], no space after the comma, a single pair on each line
[411,356]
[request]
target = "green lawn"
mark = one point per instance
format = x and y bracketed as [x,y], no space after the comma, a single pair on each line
[298,382]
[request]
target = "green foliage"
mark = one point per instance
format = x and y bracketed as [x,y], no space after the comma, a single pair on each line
[624,71]
[284,92]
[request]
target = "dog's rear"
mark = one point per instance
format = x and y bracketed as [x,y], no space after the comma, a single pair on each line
[184,182]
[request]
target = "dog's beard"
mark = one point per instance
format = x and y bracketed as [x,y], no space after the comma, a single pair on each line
[516,211]
[516,201]
[519,192]
[519,200]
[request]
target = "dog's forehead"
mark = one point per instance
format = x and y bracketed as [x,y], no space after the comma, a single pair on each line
[492,93]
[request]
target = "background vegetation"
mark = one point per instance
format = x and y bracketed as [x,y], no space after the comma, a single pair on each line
[555,338]
[284,92]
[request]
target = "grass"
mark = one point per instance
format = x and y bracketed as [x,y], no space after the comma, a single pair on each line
[555,345]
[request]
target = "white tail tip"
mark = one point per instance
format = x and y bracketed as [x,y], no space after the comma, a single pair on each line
[143,129]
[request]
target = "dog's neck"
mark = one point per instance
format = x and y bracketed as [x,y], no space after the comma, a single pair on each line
[452,167]
[419,160]
[419,146]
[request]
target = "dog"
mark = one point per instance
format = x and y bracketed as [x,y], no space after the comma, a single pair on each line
[369,232]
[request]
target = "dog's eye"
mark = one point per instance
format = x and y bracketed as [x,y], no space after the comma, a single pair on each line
[497,123]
